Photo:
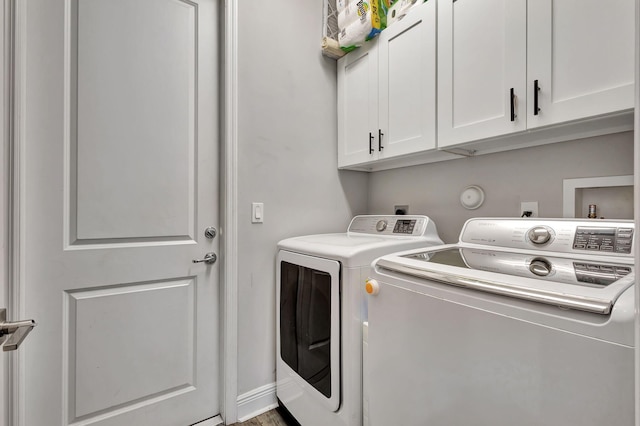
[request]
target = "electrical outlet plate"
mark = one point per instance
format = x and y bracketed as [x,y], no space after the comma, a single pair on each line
[404,209]
[529,206]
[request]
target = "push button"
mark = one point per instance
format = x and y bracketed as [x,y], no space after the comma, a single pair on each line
[372,287]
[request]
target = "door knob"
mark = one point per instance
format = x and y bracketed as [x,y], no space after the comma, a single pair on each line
[210,232]
[16,330]
[209,259]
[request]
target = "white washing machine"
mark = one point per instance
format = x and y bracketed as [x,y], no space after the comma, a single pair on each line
[320,307]
[524,321]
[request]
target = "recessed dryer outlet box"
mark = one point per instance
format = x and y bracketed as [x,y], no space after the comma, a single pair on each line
[400,210]
[529,206]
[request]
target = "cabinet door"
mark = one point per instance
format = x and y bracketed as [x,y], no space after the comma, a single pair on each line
[581,53]
[407,74]
[358,106]
[481,57]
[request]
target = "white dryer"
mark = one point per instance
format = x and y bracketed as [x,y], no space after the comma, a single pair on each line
[524,321]
[320,305]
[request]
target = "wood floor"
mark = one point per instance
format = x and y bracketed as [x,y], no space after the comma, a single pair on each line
[270,418]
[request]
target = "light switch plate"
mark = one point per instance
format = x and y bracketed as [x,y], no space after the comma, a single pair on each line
[257,212]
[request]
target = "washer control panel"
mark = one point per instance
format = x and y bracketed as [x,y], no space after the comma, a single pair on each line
[389,225]
[601,237]
[550,268]
[604,239]
[540,235]
[599,274]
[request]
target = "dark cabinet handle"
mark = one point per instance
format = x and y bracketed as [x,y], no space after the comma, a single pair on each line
[371,143]
[536,89]
[380,135]
[513,105]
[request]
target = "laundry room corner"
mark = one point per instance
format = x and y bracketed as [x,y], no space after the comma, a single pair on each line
[287,161]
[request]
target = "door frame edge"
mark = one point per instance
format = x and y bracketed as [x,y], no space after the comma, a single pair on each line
[5,205]
[229,167]
[14,63]
[10,199]
[636,171]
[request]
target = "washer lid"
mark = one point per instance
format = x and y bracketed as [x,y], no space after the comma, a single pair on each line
[583,283]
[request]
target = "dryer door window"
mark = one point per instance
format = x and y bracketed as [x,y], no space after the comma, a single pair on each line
[308,307]
[305,324]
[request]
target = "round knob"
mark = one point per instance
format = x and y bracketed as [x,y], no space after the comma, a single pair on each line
[210,232]
[372,287]
[540,267]
[539,235]
[381,225]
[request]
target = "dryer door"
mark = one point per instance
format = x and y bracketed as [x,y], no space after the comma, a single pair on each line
[308,330]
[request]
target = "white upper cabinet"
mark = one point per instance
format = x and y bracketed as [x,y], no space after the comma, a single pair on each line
[358,106]
[578,53]
[407,83]
[481,60]
[469,77]
[581,54]
[387,92]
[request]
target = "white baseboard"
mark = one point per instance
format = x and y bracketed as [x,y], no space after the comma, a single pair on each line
[213,421]
[256,402]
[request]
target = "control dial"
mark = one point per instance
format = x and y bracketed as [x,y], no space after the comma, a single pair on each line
[540,267]
[381,225]
[539,235]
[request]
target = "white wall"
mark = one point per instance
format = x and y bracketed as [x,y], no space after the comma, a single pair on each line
[287,159]
[532,174]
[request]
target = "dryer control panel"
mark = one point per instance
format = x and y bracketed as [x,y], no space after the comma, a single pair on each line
[408,226]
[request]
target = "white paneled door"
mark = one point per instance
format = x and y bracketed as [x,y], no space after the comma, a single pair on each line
[118,170]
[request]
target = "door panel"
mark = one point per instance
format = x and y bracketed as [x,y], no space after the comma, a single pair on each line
[120,179]
[357,105]
[481,56]
[135,96]
[583,61]
[408,83]
[107,332]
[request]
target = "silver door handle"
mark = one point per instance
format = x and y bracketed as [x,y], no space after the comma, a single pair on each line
[17,330]
[209,259]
